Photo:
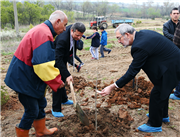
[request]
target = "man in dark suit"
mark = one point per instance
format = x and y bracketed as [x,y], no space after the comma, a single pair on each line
[170,26]
[169,30]
[176,41]
[160,60]
[66,45]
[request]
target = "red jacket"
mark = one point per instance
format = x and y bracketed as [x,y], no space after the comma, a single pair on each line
[32,67]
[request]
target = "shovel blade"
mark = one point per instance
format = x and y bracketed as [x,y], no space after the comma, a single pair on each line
[82,115]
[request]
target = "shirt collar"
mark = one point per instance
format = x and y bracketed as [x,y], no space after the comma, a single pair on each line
[48,23]
[71,42]
[134,35]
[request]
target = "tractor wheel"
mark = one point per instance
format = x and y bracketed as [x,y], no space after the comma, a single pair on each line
[105,25]
[116,25]
[92,26]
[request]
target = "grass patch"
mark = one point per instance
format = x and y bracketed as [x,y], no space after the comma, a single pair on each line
[159,29]
[87,42]
[4,95]
[104,78]
[7,53]
[113,39]
[7,60]
[171,126]
[25,30]
[2,68]
[87,48]
[171,108]
[109,46]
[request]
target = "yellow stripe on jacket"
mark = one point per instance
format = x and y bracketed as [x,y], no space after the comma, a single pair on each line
[46,71]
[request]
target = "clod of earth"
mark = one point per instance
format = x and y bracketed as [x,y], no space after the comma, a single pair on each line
[108,124]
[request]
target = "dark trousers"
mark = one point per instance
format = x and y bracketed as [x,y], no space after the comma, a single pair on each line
[78,59]
[71,60]
[34,109]
[102,49]
[158,108]
[177,92]
[59,97]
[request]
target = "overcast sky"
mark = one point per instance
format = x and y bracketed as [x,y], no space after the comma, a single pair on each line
[141,1]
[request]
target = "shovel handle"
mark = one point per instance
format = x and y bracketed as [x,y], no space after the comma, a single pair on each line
[73,94]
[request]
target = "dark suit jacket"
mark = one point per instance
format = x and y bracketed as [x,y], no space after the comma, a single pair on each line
[158,57]
[168,29]
[176,39]
[62,53]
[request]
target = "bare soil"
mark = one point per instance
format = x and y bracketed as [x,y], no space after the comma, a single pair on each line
[118,114]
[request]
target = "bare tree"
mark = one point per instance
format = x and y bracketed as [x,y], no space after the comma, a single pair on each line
[150,3]
[113,9]
[136,6]
[144,10]
[68,5]
[40,3]
[16,18]
[86,8]
[167,7]
[56,4]
[101,8]
[95,7]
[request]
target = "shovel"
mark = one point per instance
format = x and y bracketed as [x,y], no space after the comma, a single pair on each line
[81,114]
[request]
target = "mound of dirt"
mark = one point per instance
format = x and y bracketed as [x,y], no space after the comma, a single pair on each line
[135,93]
[109,125]
[132,94]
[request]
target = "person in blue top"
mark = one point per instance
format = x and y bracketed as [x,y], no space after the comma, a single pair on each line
[103,42]
[94,43]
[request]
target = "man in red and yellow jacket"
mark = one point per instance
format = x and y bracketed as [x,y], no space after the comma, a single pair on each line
[32,69]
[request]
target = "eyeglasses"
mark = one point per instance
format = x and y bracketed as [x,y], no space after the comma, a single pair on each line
[120,38]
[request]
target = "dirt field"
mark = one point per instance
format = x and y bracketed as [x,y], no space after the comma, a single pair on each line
[118,114]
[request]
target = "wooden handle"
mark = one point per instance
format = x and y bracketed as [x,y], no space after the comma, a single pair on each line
[73,94]
[72,90]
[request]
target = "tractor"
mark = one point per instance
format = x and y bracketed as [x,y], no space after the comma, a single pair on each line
[99,21]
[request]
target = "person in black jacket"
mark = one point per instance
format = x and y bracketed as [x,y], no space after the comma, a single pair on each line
[65,46]
[95,43]
[176,41]
[170,26]
[160,60]
[169,30]
[79,47]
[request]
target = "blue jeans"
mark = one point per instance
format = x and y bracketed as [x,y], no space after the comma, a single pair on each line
[177,92]
[102,49]
[34,109]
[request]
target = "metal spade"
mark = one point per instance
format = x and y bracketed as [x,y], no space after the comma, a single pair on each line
[81,114]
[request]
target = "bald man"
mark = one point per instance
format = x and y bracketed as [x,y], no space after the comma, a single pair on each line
[32,69]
